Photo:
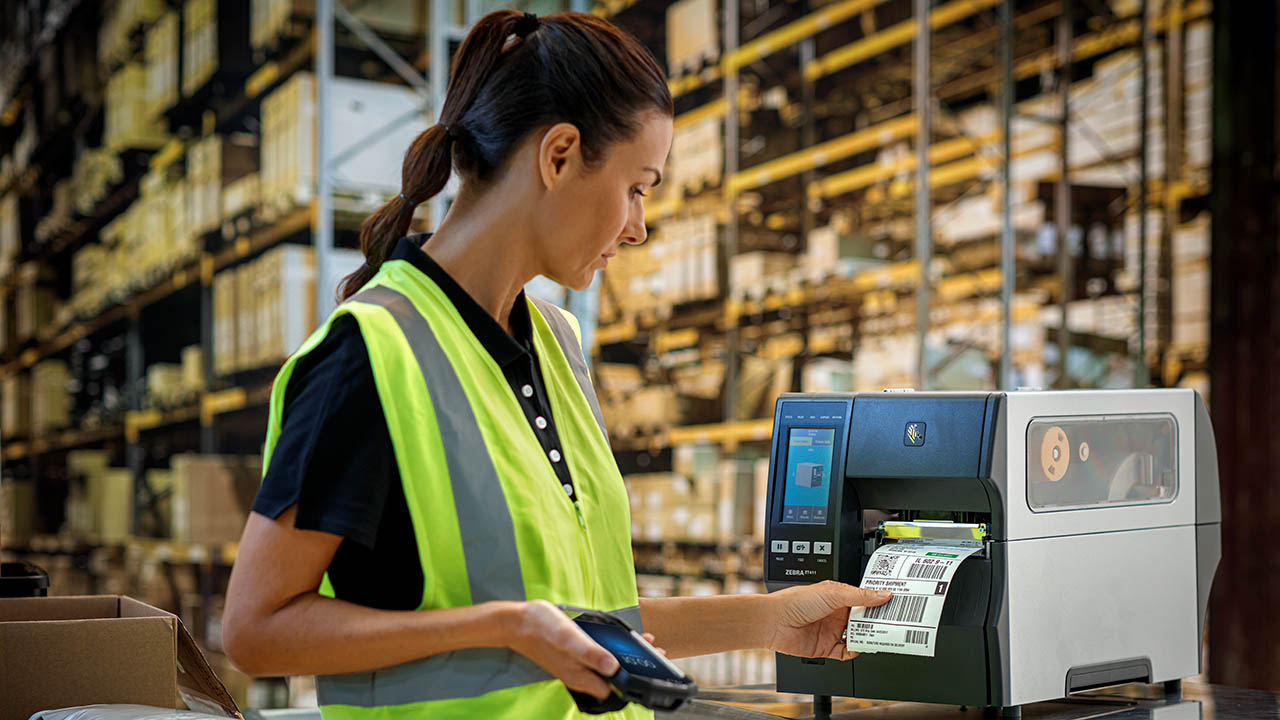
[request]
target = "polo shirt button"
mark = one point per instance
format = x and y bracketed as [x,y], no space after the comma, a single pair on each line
[527,391]
[568,489]
[555,455]
[541,422]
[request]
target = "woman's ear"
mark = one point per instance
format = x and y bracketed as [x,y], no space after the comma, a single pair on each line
[559,154]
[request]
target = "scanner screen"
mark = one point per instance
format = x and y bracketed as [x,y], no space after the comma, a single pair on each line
[804,500]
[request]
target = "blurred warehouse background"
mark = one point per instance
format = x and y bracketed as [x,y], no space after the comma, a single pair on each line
[1048,193]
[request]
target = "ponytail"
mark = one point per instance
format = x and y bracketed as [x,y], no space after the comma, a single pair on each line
[569,66]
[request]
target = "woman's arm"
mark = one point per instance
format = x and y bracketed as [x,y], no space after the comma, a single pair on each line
[277,623]
[806,621]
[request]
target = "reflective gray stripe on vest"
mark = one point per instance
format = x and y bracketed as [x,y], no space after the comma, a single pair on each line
[572,350]
[458,674]
[631,616]
[484,521]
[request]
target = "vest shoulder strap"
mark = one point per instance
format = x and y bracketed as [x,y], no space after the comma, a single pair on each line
[568,334]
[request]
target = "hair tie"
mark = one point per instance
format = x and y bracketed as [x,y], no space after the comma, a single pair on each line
[456,133]
[525,25]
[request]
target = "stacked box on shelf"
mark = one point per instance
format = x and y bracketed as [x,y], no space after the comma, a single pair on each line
[162,64]
[693,35]
[1191,286]
[50,406]
[199,43]
[172,384]
[95,172]
[285,295]
[686,251]
[88,291]
[119,21]
[238,198]
[1198,99]
[34,302]
[225,315]
[213,163]
[697,155]
[17,512]
[289,146]
[58,219]
[753,274]
[666,507]
[15,406]
[128,123]
[832,252]
[212,495]
[193,369]
[271,18]
[10,233]
[246,324]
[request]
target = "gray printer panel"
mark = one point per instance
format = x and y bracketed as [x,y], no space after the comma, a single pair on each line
[1025,408]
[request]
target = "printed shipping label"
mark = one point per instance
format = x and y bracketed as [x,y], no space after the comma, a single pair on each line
[919,575]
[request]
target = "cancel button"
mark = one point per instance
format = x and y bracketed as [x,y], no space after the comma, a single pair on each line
[822,548]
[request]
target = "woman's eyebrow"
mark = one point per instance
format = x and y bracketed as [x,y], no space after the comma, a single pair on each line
[657,175]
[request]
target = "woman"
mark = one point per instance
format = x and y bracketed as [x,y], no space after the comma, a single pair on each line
[438,477]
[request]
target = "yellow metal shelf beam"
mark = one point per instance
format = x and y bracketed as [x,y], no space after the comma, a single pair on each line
[794,32]
[821,154]
[892,37]
[772,42]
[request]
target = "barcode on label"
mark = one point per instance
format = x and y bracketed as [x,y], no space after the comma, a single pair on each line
[900,608]
[917,637]
[928,572]
[884,565]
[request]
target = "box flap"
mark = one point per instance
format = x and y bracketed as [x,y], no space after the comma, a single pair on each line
[59,608]
[133,608]
[199,687]
[63,663]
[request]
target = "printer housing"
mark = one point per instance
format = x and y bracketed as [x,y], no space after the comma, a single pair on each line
[1100,520]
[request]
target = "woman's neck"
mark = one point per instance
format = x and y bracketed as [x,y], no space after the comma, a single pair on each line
[482,247]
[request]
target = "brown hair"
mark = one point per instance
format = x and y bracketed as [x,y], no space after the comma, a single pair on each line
[568,67]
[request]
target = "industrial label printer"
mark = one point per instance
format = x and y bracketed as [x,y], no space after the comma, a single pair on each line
[1097,512]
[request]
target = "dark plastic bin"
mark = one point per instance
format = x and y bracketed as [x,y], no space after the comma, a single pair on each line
[22,579]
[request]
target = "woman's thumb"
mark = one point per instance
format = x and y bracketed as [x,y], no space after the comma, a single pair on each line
[849,595]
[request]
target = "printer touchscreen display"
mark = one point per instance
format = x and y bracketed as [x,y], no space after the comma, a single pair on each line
[804,500]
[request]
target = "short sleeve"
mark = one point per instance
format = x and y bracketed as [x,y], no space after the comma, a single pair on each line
[334,457]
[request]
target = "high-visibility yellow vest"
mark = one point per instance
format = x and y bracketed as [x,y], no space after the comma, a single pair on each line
[491,519]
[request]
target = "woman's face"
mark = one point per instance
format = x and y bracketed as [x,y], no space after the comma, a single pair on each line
[591,212]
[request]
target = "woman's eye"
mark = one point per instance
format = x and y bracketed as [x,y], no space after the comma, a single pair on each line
[636,191]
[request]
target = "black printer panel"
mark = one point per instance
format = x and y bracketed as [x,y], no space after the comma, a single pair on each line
[805,490]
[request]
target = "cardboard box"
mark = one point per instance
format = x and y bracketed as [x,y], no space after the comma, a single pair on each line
[212,495]
[67,651]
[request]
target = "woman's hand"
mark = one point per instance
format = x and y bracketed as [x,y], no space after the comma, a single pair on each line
[543,633]
[810,620]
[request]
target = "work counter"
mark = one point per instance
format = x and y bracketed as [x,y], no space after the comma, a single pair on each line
[1129,702]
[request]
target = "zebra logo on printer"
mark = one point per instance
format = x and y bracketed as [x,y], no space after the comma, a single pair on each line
[914,435]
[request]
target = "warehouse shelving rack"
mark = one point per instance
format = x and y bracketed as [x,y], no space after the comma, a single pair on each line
[228,409]
[954,160]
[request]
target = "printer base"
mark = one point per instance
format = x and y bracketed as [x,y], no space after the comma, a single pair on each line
[1002,712]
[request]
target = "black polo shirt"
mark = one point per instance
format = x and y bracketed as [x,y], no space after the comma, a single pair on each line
[334,458]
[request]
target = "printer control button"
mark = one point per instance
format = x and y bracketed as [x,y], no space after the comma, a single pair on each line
[800,547]
[780,546]
[822,548]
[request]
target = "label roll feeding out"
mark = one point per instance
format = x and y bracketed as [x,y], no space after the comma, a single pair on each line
[918,571]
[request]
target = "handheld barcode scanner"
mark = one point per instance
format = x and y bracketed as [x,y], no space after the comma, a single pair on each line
[1096,514]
